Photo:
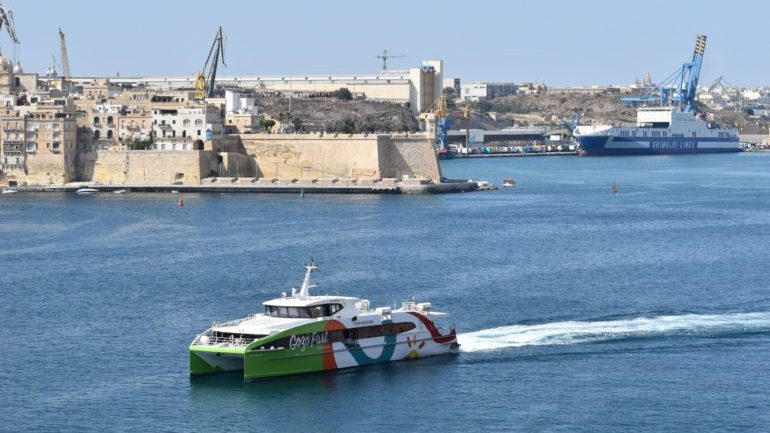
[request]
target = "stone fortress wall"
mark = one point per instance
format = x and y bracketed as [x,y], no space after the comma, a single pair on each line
[358,156]
[274,156]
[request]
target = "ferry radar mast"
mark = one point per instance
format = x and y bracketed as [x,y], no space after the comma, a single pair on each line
[310,266]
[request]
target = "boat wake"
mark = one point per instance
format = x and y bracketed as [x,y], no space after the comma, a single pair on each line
[572,332]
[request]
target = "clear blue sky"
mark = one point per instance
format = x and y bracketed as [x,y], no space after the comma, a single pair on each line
[559,42]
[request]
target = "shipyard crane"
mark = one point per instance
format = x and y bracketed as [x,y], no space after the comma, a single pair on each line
[731,93]
[385,56]
[443,123]
[438,113]
[715,84]
[206,79]
[6,18]
[52,68]
[467,114]
[680,87]
[65,62]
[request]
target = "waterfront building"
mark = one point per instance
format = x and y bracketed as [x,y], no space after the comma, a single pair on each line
[241,113]
[12,140]
[482,91]
[134,125]
[178,128]
[38,144]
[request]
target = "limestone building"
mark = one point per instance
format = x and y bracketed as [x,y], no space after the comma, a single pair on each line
[178,128]
[241,113]
[38,146]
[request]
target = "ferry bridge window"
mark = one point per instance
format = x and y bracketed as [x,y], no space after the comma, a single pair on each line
[324,310]
[317,311]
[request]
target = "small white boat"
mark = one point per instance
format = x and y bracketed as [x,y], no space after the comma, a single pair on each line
[87,191]
[10,191]
[509,182]
[483,185]
[119,191]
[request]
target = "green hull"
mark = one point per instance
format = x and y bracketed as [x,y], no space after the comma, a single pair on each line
[199,366]
[281,363]
[258,360]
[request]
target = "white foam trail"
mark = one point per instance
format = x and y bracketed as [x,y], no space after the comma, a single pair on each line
[572,332]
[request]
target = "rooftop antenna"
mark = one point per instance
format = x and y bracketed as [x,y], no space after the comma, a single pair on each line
[310,266]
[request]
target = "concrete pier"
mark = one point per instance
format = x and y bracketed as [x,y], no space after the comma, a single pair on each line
[255,185]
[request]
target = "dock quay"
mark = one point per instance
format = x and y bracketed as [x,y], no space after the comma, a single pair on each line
[516,155]
[273,186]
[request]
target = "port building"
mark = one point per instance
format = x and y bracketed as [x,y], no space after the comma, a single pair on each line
[420,86]
[481,91]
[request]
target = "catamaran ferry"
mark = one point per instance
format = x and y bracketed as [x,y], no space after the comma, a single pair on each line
[659,130]
[301,333]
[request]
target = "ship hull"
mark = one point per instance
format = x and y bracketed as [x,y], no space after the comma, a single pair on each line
[609,145]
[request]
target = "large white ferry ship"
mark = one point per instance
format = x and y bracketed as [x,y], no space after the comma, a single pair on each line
[301,333]
[674,126]
[658,130]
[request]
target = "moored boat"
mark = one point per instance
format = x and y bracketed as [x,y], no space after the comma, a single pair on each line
[659,130]
[87,191]
[674,126]
[302,333]
[483,185]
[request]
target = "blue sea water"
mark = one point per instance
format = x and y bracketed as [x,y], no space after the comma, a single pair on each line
[579,309]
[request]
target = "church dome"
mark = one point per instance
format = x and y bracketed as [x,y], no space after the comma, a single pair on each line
[5,64]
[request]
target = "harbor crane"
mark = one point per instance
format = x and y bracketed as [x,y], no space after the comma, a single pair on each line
[467,114]
[439,114]
[6,18]
[385,56]
[679,87]
[65,62]
[728,92]
[206,79]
